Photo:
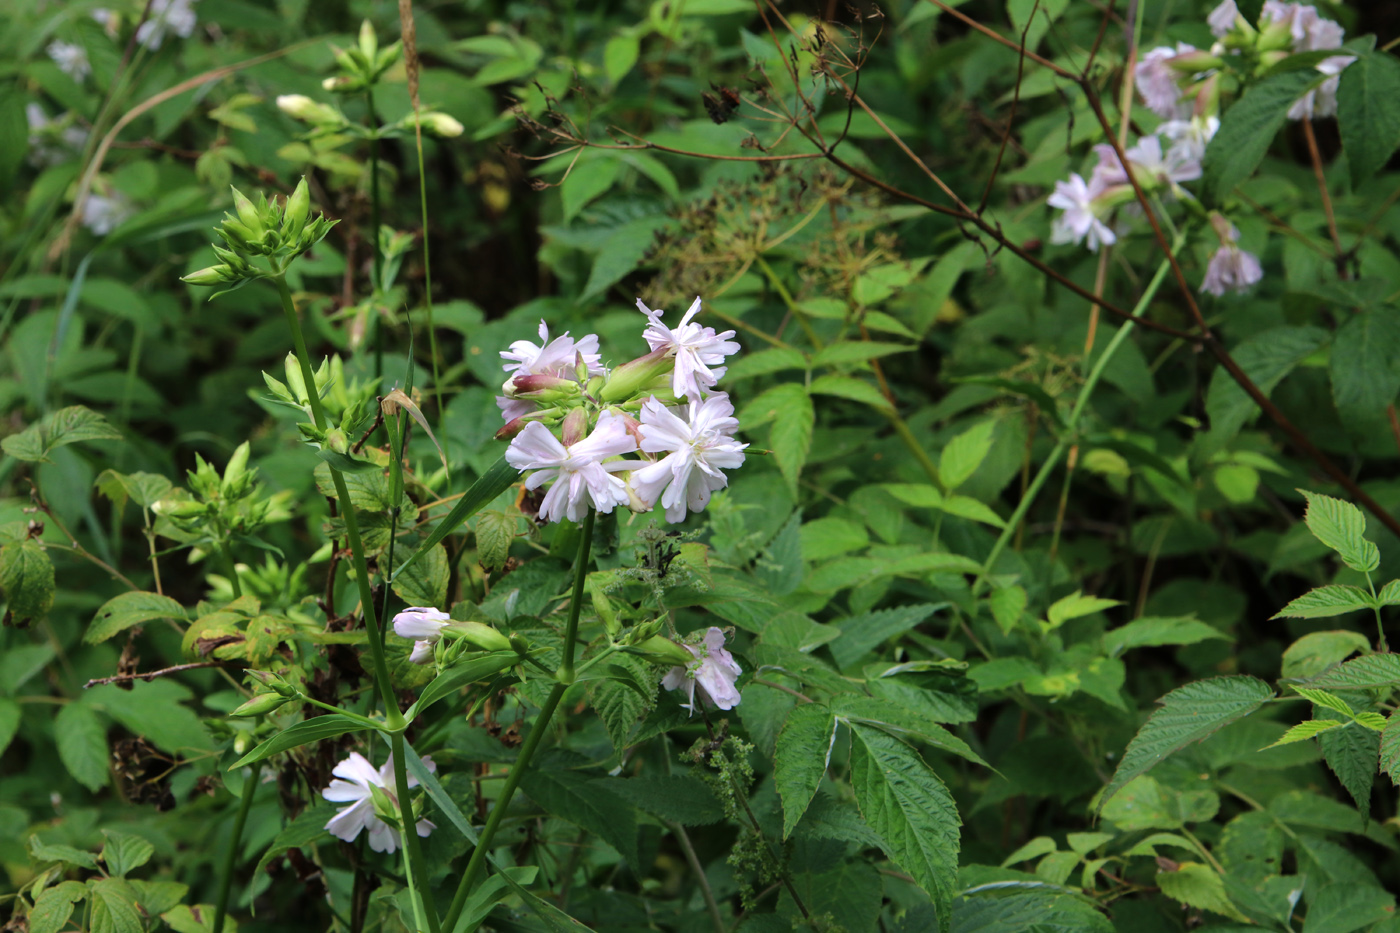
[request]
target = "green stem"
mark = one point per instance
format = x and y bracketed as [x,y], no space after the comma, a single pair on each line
[377,285]
[394,428]
[564,677]
[912,443]
[250,788]
[1376,607]
[413,849]
[1072,423]
[227,552]
[784,294]
[393,718]
[427,265]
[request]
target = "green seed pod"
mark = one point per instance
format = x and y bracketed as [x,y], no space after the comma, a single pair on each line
[482,636]
[260,705]
[213,275]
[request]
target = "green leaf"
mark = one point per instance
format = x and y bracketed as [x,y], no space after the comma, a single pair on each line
[462,674]
[962,455]
[675,798]
[791,434]
[578,798]
[1024,911]
[26,579]
[54,906]
[862,633]
[10,714]
[63,427]
[500,477]
[801,759]
[1346,907]
[972,510]
[891,716]
[303,733]
[114,907]
[1316,651]
[82,745]
[1151,631]
[589,177]
[1266,358]
[1007,604]
[903,800]
[1248,127]
[1306,730]
[1390,748]
[1389,594]
[1188,714]
[1199,886]
[619,55]
[1368,673]
[123,852]
[145,489]
[621,252]
[1326,700]
[308,827]
[620,703]
[1365,372]
[425,583]
[831,537]
[856,351]
[495,532]
[850,387]
[1352,752]
[1076,605]
[1368,113]
[438,793]
[1342,527]
[1326,601]
[182,919]
[129,609]
[765,362]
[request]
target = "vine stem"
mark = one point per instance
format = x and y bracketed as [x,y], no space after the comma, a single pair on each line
[250,788]
[1072,422]
[564,678]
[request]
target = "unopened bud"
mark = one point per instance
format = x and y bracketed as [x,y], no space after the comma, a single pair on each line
[575,427]
[1275,36]
[342,84]
[440,124]
[631,377]
[1194,62]
[662,651]
[369,42]
[237,464]
[260,705]
[213,275]
[482,636]
[297,210]
[247,213]
[303,108]
[292,367]
[544,387]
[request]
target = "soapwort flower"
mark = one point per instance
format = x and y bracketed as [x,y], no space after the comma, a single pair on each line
[359,776]
[1081,218]
[697,448]
[581,478]
[698,350]
[424,625]
[713,671]
[1231,269]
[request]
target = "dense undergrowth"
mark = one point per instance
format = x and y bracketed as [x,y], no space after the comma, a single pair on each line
[999,542]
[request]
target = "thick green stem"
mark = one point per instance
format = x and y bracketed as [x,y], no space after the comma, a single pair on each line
[378,283]
[250,788]
[227,553]
[564,677]
[413,850]
[393,718]
[1072,423]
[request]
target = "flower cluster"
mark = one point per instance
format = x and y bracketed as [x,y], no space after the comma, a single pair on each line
[570,417]
[357,788]
[1285,29]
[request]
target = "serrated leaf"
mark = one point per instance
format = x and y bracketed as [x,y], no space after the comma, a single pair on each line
[303,733]
[1248,127]
[1316,651]
[962,455]
[123,852]
[130,609]
[26,580]
[1365,369]
[1022,911]
[801,759]
[1342,527]
[619,704]
[903,801]
[114,907]
[1390,748]
[972,510]
[791,434]
[1266,358]
[849,387]
[1334,599]
[856,351]
[890,716]
[1201,887]
[63,427]
[1345,907]
[1352,752]
[1306,730]
[495,532]
[1389,594]
[1187,714]
[1368,112]
[42,852]
[919,495]
[675,798]
[54,906]
[1152,631]
[861,634]
[1007,604]
[1325,700]
[1367,673]
[145,489]
[576,797]
[425,583]
[82,745]
[1076,605]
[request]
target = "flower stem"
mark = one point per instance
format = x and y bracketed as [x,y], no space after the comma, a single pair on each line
[564,678]
[413,849]
[378,284]
[250,788]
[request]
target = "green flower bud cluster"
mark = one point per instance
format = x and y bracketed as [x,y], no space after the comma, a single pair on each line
[277,231]
[362,65]
[348,403]
[217,507]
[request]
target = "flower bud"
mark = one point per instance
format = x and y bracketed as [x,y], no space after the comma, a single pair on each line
[303,108]
[1194,62]
[260,705]
[213,275]
[297,210]
[575,427]
[629,379]
[518,642]
[369,42]
[482,636]
[1275,36]
[440,124]
[543,387]
[292,366]
[247,213]
[237,464]
[662,651]
[342,84]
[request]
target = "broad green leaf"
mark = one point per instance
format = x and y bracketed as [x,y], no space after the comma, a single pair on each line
[1031,19]
[1151,631]
[123,852]
[182,919]
[1306,730]
[129,609]
[1389,594]
[590,176]
[54,906]
[578,798]
[1199,886]
[1390,748]
[10,714]
[801,759]
[145,489]
[303,733]
[1248,127]
[26,580]
[157,712]
[863,633]
[890,716]
[114,907]
[1365,369]
[425,583]
[308,827]
[1368,112]
[500,477]
[1316,651]
[495,532]
[1352,752]
[1347,907]
[962,455]
[765,362]
[856,351]
[1342,527]
[972,510]
[1335,599]
[619,55]
[1368,673]
[82,745]
[1076,605]
[619,703]
[63,427]
[675,798]
[1266,358]
[791,434]
[622,250]
[919,495]
[42,852]
[903,800]
[849,387]
[462,674]
[830,537]
[1022,911]
[1188,714]
[1326,700]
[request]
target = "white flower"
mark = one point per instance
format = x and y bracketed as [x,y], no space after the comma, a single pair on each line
[512,408]
[714,671]
[580,477]
[1157,80]
[556,357]
[1079,220]
[1222,19]
[1189,138]
[696,452]
[1171,168]
[360,776]
[104,213]
[698,350]
[1231,268]
[424,624]
[71,59]
[1321,101]
[165,17]
[48,144]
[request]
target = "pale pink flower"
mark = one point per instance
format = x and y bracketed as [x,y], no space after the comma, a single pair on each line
[580,477]
[698,350]
[1322,100]
[1172,168]
[1080,220]
[512,408]
[425,625]
[71,59]
[1231,268]
[165,17]
[1157,80]
[1189,138]
[697,448]
[557,357]
[1222,19]
[714,671]
[359,776]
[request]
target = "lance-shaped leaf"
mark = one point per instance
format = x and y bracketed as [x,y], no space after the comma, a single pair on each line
[303,733]
[1368,673]
[500,477]
[1342,527]
[801,758]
